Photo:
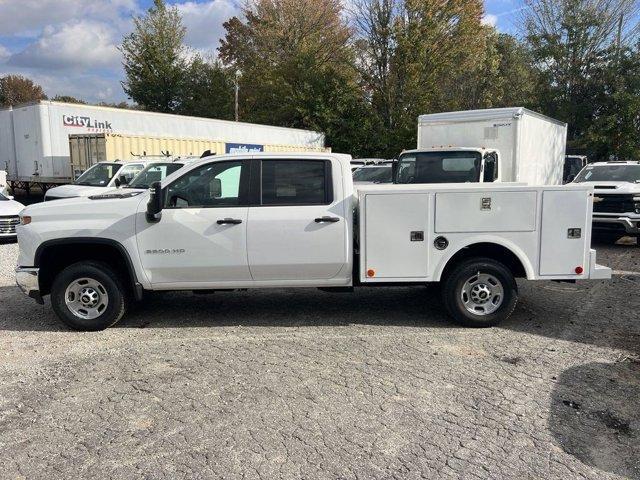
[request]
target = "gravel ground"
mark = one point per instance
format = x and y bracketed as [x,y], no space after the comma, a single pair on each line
[306,384]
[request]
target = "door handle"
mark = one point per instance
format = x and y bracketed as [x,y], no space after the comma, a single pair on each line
[229,221]
[327,219]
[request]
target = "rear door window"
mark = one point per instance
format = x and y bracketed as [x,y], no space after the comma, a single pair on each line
[296,182]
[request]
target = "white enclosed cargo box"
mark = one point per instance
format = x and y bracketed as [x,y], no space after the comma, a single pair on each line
[531,145]
[34,138]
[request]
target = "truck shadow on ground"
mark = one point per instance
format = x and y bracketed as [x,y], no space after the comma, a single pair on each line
[595,415]
[403,306]
[598,313]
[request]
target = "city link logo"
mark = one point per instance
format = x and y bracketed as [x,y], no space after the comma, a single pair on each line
[164,251]
[85,122]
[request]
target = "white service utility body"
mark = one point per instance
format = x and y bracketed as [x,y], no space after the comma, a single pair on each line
[294,220]
[530,147]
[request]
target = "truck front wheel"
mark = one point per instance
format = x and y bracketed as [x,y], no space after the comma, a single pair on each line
[88,296]
[480,292]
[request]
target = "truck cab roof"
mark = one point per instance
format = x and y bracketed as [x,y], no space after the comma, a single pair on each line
[450,148]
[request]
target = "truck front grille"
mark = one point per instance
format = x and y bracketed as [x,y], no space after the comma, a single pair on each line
[8,224]
[613,203]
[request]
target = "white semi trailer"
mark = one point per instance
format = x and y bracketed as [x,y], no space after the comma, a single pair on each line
[35,139]
[498,144]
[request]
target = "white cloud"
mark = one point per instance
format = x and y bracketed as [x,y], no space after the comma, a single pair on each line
[203,22]
[89,86]
[490,19]
[78,45]
[4,54]
[26,18]
[70,46]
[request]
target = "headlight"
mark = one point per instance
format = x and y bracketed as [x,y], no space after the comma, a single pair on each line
[25,220]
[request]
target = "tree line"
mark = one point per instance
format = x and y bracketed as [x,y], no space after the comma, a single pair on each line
[363,74]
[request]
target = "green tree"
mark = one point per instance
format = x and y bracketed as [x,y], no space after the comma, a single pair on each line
[571,41]
[297,65]
[16,89]
[119,105]
[209,90]
[504,78]
[420,56]
[155,59]
[615,128]
[68,99]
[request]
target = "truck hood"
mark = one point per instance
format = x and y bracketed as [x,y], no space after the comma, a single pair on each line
[104,200]
[617,188]
[10,207]
[70,191]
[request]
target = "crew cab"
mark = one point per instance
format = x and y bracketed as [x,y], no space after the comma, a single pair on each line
[290,220]
[616,202]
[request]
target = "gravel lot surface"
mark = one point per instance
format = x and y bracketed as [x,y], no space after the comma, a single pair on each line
[306,384]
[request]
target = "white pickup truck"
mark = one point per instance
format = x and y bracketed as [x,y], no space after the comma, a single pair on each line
[294,220]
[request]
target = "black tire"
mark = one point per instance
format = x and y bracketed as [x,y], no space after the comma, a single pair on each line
[113,288]
[454,282]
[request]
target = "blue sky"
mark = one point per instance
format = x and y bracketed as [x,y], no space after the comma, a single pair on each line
[69,46]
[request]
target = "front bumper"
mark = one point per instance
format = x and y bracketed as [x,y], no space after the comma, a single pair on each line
[27,280]
[628,225]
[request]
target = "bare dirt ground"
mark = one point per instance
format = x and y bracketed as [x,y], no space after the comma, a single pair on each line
[305,384]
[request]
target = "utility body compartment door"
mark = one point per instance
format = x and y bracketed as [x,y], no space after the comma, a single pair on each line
[396,234]
[486,211]
[562,250]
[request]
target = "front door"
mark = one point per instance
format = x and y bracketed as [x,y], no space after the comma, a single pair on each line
[297,227]
[201,238]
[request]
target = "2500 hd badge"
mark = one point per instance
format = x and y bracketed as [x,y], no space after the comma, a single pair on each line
[165,250]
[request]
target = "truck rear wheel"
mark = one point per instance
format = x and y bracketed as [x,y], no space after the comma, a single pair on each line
[88,296]
[480,292]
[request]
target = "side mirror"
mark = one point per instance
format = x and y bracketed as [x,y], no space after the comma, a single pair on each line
[394,172]
[124,179]
[117,182]
[154,205]
[216,188]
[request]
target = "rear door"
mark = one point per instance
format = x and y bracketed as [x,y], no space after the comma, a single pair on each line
[297,228]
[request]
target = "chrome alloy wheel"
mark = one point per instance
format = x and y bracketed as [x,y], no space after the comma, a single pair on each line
[86,298]
[482,294]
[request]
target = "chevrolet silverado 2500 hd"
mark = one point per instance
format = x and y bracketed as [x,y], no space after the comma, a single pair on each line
[287,220]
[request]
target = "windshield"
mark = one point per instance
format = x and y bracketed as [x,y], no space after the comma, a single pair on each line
[2,197]
[373,174]
[609,173]
[439,167]
[154,173]
[99,175]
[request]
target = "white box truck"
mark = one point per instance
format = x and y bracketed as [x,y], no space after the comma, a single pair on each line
[36,139]
[498,144]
